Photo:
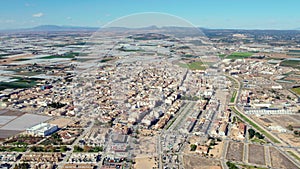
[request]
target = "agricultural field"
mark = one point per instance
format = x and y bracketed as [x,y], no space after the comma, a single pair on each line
[239,55]
[256,154]
[291,63]
[235,151]
[296,90]
[19,83]
[197,65]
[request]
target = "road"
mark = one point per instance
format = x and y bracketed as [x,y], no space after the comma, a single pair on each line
[279,147]
[69,153]
[182,114]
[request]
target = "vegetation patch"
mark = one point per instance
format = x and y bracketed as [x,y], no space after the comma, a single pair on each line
[222,56]
[19,83]
[231,165]
[239,55]
[12,148]
[291,63]
[296,90]
[233,96]
[254,125]
[294,155]
[88,149]
[198,65]
[49,149]
[193,147]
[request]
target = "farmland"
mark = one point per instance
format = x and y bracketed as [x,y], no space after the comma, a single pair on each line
[239,55]
[296,90]
[197,65]
[291,63]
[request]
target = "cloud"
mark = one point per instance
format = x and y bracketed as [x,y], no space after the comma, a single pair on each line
[37,15]
[69,18]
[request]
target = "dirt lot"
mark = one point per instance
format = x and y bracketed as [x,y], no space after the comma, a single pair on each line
[61,122]
[146,145]
[290,138]
[285,120]
[280,161]
[196,162]
[144,163]
[256,154]
[217,150]
[235,151]
[7,133]
[5,112]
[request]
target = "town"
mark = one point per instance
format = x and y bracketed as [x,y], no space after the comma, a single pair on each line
[150,98]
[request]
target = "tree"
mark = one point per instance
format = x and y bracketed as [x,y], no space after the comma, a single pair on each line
[259,136]
[78,149]
[251,133]
[193,147]
[290,127]
[231,165]
[63,148]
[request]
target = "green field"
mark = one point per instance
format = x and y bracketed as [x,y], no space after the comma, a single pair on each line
[67,55]
[10,149]
[233,96]
[291,63]
[296,90]
[193,65]
[20,83]
[239,55]
[222,56]
[254,125]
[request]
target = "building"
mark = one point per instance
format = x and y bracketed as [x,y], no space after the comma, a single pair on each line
[42,129]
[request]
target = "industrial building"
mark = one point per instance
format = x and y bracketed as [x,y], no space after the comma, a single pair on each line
[42,129]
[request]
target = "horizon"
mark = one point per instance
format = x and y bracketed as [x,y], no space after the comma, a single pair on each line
[93,27]
[215,14]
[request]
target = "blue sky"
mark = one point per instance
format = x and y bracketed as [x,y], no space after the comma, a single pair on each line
[254,14]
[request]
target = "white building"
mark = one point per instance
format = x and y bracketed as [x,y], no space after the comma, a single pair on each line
[42,129]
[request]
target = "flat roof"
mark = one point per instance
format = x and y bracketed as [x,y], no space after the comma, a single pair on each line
[25,121]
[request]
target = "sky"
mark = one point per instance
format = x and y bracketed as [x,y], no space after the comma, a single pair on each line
[241,14]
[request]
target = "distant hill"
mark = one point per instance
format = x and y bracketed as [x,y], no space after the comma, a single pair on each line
[178,30]
[52,28]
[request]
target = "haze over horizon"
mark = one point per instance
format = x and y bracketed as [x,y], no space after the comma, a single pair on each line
[232,14]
